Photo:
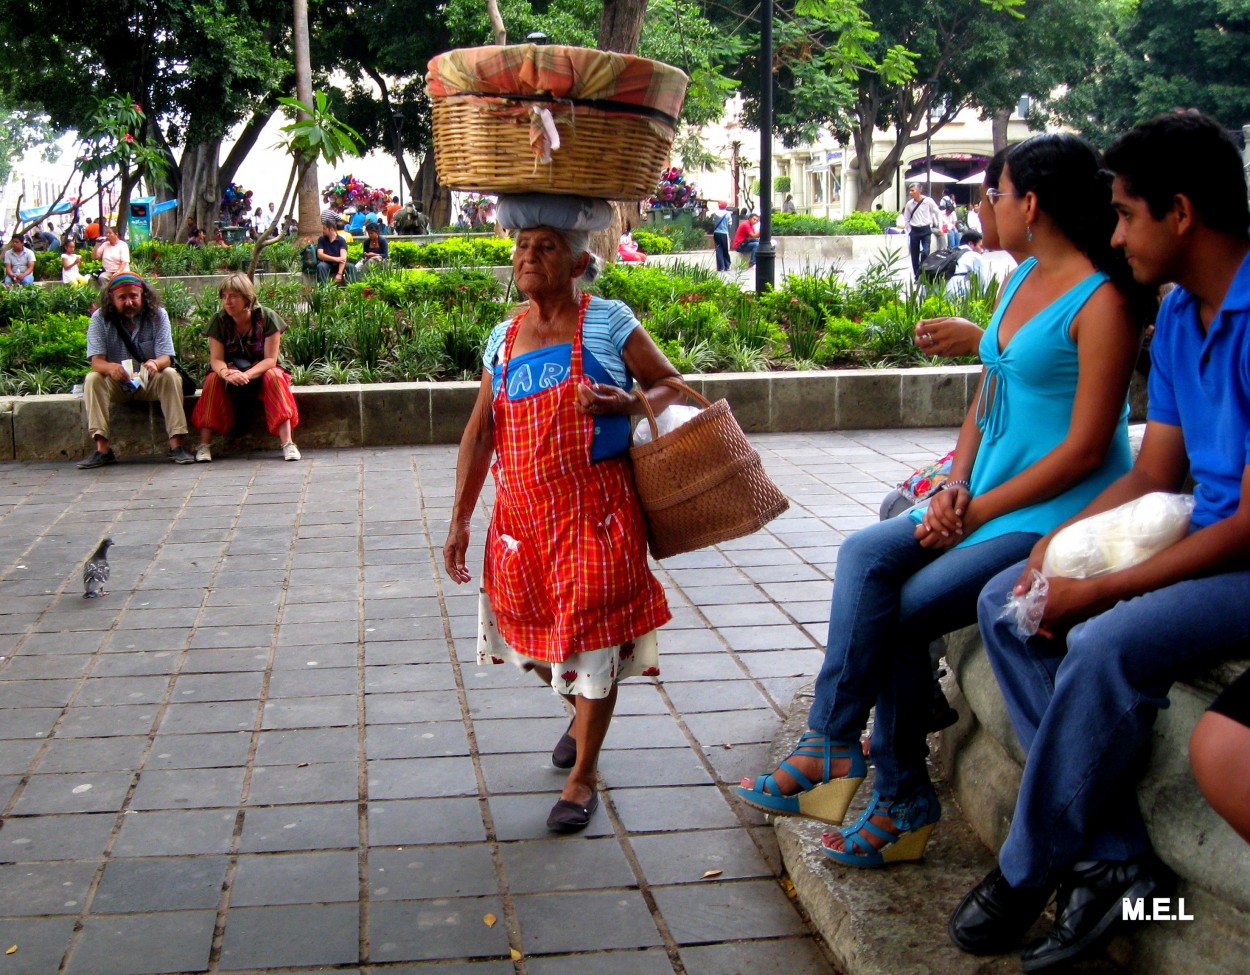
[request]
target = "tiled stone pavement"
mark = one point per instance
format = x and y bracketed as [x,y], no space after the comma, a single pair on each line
[269,748]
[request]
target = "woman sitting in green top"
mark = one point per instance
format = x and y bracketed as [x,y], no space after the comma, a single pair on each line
[243,343]
[1047,432]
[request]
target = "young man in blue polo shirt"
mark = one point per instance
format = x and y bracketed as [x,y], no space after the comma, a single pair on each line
[1084,692]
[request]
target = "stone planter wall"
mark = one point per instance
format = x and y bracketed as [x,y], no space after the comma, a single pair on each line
[389,414]
[53,427]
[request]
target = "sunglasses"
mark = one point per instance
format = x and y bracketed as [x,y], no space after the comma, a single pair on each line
[995,195]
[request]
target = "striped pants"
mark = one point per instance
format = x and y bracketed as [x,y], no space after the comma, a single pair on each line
[215,409]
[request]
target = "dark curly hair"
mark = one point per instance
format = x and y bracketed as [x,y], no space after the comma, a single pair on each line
[1066,175]
[152,304]
[1190,154]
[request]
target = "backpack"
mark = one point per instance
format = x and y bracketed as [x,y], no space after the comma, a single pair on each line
[939,266]
[309,265]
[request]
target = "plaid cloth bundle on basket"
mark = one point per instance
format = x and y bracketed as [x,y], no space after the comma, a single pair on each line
[552,119]
[702,483]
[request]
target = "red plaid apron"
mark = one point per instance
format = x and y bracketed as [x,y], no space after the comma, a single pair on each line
[566,553]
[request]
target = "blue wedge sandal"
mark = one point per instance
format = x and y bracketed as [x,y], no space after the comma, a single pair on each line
[913,817]
[826,800]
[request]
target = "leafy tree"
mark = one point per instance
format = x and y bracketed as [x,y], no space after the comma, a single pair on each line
[313,134]
[384,46]
[109,143]
[22,129]
[1162,55]
[859,69]
[199,67]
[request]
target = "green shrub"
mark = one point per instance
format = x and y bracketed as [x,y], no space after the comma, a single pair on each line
[651,243]
[842,339]
[411,324]
[685,238]
[23,304]
[803,225]
[47,265]
[72,299]
[464,252]
[781,184]
[858,223]
[885,219]
[50,353]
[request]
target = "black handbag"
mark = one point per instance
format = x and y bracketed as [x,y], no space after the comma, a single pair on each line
[189,385]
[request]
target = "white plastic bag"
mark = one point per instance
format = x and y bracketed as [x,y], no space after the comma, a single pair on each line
[665,422]
[1103,543]
[1119,538]
[1027,610]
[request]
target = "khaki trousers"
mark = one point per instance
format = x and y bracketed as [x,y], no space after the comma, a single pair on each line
[101,391]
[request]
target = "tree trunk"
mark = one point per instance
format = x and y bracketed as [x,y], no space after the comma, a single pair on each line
[127,185]
[914,128]
[998,128]
[496,22]
[309,194]
[435,199]
[397,151]
[620,27]
[199,189]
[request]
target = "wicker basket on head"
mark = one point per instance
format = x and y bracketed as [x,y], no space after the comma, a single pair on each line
[702,483]
[615,116]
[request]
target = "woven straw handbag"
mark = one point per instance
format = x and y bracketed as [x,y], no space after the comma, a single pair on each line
[702,483]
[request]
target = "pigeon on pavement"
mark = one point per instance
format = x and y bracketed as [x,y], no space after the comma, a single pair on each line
[96,572]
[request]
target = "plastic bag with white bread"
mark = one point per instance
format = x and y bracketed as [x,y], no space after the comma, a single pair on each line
[1106,542]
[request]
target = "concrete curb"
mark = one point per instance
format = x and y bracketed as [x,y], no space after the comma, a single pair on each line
[890,921]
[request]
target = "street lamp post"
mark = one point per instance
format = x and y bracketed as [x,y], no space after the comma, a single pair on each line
[931,84]
[765,255]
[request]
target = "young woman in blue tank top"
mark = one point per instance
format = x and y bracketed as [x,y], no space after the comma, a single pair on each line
[1046,433]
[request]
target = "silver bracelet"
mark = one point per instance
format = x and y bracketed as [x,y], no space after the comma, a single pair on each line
[958,482]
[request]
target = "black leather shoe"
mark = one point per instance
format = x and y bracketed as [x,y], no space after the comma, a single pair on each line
[993,916]
[1090,901]
[572,817]
[97,459]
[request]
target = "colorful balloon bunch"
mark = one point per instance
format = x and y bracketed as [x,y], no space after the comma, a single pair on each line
[352,192]
[236,204]
[674,191]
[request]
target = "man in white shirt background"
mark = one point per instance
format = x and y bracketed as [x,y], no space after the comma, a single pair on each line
[921,217]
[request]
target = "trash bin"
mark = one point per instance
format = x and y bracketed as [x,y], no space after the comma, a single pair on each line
[668,217]
[234,235]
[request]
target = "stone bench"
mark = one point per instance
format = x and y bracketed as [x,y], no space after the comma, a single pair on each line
[392,414]
[982,760]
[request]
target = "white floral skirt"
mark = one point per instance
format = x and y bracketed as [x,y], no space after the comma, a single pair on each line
[590,674]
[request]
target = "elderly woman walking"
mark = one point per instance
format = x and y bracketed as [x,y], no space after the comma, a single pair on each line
[567,593]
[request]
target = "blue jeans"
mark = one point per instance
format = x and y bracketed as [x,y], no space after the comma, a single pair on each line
[748,248]
[28,279]
[921,238]
[891,599]
[1083,710]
